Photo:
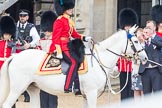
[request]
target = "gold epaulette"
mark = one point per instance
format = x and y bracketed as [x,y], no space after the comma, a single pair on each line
[71,22]
[59,17]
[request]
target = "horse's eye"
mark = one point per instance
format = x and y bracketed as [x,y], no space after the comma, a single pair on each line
[135,41]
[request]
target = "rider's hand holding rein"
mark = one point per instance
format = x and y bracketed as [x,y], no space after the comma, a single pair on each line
[87,38]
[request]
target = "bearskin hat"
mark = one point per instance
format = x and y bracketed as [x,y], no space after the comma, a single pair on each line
[127,17]
[47,20]
[7,25]
[156,13]
[68,4]
[63,5]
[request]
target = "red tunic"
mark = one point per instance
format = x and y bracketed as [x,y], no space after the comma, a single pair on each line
[159,34]
[5,51]
[63,29]
[124,65]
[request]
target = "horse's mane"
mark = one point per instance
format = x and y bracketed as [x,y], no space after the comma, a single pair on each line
[113,39]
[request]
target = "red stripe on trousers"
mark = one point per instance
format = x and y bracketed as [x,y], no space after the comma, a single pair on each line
[71,70]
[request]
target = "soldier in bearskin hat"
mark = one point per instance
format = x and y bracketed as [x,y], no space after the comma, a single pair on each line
[63,5]
[47,20]
[127,20]
[156,15]
[46,26]
[62,32]
[7,34]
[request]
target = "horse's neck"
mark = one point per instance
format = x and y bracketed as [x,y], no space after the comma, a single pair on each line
[119,38]
[116,43]
[106,57]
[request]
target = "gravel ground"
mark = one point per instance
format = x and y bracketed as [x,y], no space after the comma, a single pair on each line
[77,101]
[72,101]
[69,100]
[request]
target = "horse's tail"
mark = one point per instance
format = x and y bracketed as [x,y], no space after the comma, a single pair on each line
[4,81]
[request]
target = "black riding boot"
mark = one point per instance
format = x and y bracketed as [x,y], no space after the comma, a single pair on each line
[77,86]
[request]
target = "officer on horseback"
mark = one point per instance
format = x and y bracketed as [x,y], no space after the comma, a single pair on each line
[63,30]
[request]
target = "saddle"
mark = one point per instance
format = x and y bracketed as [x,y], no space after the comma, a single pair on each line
[53,65]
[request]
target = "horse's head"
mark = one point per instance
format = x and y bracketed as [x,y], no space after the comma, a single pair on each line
[119,44]
[138,51]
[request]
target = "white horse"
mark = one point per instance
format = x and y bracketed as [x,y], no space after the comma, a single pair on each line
[19,71]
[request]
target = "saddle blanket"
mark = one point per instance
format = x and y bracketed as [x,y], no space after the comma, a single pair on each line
[51,65]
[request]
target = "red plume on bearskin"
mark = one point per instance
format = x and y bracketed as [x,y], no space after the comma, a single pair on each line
[127,17]
[7,25]
[47,20]
[156,13]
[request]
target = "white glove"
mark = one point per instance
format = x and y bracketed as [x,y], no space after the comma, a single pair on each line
[87,38]
[133,29]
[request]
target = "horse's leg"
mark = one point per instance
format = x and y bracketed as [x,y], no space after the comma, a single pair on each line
[11,99]
[34,96]
[17,86]
[4,82]
[4,90]
[85,104]
[92,98]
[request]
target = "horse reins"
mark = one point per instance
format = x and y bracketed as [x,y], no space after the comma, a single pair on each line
[92,55]
[102,65]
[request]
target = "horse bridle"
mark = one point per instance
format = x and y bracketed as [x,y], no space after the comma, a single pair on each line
[125,56]
[133,47]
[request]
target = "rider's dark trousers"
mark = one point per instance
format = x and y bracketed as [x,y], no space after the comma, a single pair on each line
[72,71]
[76,82]
[47,100]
